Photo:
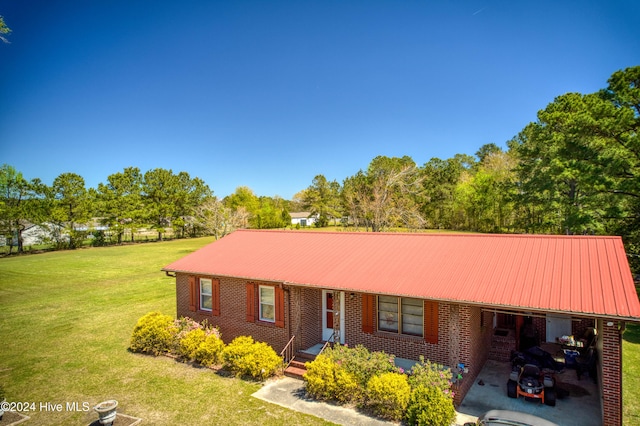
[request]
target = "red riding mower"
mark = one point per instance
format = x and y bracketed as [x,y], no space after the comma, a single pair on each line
[530,382]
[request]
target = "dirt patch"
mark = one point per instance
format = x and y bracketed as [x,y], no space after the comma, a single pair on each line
[12,418]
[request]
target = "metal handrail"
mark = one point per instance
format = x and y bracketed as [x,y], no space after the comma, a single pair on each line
[330,340]
[287,353]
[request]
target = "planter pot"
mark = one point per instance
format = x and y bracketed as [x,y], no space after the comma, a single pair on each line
[106,411]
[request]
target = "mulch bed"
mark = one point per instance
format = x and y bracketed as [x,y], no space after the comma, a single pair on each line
[121,420]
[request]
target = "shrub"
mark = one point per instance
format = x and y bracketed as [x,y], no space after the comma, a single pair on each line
[183,326]
[245,357]
[325,379]
[429,405]
[153,334]
[362,363]
[209,352]
[190,342]
[430,374]
[320,378]
[388,395]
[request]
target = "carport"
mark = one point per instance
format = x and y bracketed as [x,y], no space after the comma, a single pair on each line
[578,404]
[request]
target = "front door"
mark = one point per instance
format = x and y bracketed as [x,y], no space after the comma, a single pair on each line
[332,312]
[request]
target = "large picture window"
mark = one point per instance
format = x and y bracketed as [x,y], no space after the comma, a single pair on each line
[206,294]
[267,303]
[401,315]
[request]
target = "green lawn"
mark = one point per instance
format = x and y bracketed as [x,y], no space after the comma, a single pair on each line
[631,375]
[65,322]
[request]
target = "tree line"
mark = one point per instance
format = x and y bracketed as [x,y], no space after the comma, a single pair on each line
[574,170]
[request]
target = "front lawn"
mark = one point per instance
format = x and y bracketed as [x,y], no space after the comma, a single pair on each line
[65,322]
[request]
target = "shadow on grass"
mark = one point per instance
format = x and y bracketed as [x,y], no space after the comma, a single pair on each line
[632,333]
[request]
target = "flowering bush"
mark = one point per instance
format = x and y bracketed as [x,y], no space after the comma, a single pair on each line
[153,334]
[388,395]
[248,358]
[430,374]
[191,335]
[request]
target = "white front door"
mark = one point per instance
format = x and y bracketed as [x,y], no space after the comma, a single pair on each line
[332,312]
[557,326]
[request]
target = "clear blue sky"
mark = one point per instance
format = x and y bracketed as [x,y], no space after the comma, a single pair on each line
[267,94]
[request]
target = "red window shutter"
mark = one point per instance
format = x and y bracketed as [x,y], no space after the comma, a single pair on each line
[368,306]
[193,294]
[279,307]
[251,305]
[215,298]
[431,321]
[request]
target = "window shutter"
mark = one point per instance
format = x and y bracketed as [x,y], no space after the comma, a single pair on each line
[193,293]
[431,321]
[368,304]
[215,298]
[279,307]
[251,305]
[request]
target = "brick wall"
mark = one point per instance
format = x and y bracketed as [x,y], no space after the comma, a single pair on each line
[232,320]
[611,372]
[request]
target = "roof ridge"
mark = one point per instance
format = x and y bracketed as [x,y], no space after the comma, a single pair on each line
[435,234]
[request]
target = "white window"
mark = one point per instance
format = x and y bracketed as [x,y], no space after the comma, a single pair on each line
[267,303]
[205,294]
[400,315]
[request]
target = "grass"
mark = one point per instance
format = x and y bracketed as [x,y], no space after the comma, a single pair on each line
[65,320]
[631,375]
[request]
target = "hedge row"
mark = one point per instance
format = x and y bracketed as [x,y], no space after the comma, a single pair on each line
[190,341]
[371,380]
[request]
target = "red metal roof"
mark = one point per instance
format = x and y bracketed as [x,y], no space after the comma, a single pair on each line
[575,274]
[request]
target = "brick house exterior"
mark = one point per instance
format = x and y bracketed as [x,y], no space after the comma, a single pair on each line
[453,330]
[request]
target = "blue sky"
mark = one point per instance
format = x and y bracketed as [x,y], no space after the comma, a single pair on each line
[267,94]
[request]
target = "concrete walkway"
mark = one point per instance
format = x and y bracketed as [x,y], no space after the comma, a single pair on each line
[289,393]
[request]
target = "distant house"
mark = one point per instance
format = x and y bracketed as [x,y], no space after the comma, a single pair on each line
[303,218]
[452,298]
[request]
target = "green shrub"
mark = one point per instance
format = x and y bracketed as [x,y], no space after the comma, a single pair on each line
[245,357]
[189,344]
[153,334]
[430,374]
[388,395]
[209,352]
[429,405]
[362,363]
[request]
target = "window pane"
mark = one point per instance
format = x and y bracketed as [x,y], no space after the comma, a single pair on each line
[267,295]
[388,313]
[205,302]
[267,312]
[205,286]
[412,316]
